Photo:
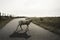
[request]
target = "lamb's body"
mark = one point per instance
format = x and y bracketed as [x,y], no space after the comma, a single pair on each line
[24,22]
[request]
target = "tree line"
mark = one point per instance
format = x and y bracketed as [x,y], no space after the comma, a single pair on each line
[4,16]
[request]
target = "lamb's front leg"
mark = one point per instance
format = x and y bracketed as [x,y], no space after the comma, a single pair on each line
[17,28]
[21,27]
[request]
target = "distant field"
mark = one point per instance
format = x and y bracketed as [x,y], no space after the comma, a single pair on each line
[50,23]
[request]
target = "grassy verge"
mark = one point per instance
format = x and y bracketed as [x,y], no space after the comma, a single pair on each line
[50,23]
[4,22]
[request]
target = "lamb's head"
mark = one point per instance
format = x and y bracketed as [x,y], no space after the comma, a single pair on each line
[30,20]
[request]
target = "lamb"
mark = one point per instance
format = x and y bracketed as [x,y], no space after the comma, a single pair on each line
[24,22]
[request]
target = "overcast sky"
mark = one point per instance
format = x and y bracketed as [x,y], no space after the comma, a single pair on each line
[30,7]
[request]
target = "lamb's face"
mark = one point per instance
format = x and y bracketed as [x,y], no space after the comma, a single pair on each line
[29,19]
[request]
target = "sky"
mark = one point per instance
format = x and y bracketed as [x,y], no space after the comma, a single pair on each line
[30,8]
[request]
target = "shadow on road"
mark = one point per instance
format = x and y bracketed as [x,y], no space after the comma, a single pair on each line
[20,35]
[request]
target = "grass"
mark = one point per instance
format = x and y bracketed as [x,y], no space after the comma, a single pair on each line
[4,22]
[50,23]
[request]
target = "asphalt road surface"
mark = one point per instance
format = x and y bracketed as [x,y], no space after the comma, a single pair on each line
[34,33]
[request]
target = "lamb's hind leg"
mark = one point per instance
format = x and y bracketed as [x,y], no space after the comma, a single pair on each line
[27,29]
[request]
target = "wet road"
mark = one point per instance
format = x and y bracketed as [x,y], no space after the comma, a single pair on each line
[35,32]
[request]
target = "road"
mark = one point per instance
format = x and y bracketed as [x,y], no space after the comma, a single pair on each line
[35,32]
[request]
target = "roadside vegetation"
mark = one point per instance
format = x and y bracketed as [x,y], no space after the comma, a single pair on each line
[4,20]
[50,23]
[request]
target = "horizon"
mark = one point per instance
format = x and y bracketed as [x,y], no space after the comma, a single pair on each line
[31,8]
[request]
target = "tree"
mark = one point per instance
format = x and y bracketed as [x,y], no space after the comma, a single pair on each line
[0,13]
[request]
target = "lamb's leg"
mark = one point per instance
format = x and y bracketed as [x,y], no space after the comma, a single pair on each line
[21,27]
[17,27]
[27,29]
